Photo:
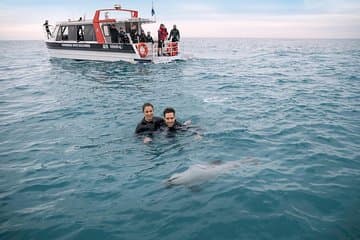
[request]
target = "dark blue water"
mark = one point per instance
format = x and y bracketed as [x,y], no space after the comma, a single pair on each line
[71,167]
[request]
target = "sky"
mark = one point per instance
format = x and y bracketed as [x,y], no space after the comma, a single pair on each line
[23,19]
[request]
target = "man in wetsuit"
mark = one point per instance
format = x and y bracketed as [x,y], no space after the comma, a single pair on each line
[170,123]
[149,123]
[47,29]
[174,34]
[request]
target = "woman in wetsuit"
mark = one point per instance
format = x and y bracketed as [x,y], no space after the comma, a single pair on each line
[149,123]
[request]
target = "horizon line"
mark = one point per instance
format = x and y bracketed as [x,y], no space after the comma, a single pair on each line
[198,37]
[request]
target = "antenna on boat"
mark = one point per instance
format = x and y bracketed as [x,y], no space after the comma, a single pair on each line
[153,11]
[117,6]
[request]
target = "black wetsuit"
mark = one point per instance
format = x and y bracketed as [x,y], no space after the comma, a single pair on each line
[175,34]
[47,29]
[134,36]
[179,128]
[145,126]
[80,34]
[142,37]
[149,39]
[114,34]
[123,37]
[174,128]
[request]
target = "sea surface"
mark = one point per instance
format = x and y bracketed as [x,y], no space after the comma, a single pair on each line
[71,166]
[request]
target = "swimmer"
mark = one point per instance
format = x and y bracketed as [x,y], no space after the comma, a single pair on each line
[149,123]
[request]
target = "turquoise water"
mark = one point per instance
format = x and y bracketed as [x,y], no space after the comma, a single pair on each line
[71,167]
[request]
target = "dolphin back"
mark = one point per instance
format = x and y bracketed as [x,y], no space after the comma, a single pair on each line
[200,173]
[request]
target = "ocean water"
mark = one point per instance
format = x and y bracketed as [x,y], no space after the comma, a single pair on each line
[72,168]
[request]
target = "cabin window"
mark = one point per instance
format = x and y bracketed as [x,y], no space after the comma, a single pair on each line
[106,30]
[63,34]
[56,30]
[127,27]
[76,33]
[72,33]
[89,34]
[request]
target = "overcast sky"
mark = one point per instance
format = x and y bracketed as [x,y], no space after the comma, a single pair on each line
[23,19]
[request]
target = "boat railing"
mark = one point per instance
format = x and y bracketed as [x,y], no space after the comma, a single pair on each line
[171,48]
[150,50]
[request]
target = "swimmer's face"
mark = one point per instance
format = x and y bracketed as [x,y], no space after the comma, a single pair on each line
[169,119]
[148,113]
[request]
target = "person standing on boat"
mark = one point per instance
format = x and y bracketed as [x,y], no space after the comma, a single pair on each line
[142,37]
[47,29]
[80,33]
[174,34]
[149,38]
[162,35]
[114,34]
[123,37]
[134,34]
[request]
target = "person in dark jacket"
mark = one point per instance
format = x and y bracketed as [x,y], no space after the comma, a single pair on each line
[149,38]
[123,36]
[134,34]
[174,34]
[114,34]
[142,36]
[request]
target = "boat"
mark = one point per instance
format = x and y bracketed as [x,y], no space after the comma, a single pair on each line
[94,39]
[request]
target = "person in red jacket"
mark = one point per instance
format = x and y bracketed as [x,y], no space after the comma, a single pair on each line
[162,35]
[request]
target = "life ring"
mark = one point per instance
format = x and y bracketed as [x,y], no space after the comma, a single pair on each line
[143,50]
[172,48]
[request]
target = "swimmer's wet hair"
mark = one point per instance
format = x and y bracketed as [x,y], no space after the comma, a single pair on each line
[169,110]
[147,105]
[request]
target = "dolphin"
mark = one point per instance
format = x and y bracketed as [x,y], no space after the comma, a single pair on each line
[200,173]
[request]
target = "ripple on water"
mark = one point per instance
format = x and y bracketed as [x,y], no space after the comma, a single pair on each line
[71,166]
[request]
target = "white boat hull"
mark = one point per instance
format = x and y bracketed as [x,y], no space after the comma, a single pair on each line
[93,55]
[109,56]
